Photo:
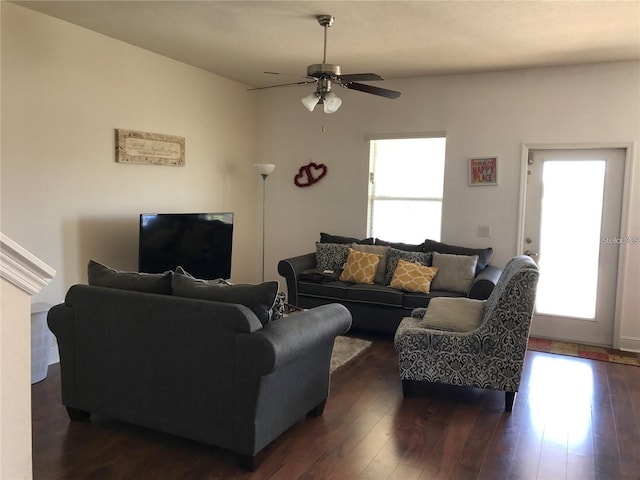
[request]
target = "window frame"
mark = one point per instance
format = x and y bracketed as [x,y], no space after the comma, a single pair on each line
[372,198]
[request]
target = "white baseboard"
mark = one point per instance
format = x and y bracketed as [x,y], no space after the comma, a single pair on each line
[630,344]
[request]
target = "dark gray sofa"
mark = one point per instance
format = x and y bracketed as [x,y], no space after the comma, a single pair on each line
[199,369]
[378,307]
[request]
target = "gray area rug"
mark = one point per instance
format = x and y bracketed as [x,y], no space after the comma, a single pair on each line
[346,349]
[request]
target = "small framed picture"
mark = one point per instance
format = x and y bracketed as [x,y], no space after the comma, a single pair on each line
[483,171]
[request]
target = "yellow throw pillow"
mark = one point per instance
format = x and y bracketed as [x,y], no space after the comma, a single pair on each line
[361,267]
[413,277]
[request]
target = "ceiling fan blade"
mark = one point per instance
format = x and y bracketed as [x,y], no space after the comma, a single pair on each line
[288,74]
[382,92]
[360,77]
[305,82]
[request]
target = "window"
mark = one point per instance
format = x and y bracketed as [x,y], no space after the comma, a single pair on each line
[406,177]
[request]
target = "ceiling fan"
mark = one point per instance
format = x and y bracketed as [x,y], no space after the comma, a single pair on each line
[325,75]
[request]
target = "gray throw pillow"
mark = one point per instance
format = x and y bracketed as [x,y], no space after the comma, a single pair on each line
[410,247]
[394,255]
[484,254]
[453,314]
[260,298]
[455,272]
[102,276]
[328,238]
[216,281]
[331,256]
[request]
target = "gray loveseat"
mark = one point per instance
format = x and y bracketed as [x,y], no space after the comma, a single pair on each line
[378,306]
[199,369]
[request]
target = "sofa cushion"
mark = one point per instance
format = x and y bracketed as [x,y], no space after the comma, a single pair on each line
[411,300]
[102,276]
[259,298]
[360,267]
[453,314]
[374,294]
[382,265]
[328,238]
[331,256]
[330,290]
[413,277]
[484,254]
[407,247]
[455,272]
[316,275]
[422,258]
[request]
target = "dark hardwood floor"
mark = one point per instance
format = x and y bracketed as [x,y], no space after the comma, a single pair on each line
[573,419]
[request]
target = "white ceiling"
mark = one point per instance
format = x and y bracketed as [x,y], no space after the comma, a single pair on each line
[396,39]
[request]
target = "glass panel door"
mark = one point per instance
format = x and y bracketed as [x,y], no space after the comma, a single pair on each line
[570,231]
[573,204]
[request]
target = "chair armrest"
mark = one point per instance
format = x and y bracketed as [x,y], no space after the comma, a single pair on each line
[474,358]
[289,338]
[290,269]
[485,281]
[417,342]
[412,326]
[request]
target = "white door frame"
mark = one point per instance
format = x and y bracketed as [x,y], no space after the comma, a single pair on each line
[625,216]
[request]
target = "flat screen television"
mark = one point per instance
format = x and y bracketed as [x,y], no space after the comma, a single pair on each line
[198,242]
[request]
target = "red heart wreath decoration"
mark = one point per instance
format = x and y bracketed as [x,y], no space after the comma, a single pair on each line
[310,174]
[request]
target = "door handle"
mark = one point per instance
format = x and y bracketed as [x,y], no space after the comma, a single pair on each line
[534,255]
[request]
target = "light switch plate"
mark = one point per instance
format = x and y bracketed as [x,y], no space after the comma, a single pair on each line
[484,230]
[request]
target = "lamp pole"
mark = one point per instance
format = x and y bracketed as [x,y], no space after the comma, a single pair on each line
[264,169]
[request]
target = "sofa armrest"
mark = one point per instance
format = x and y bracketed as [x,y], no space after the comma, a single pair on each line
[60,320]
[290,269]
[485,281]
[289,338]
[282,373]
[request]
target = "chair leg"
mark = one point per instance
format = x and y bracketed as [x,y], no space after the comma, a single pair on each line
[407,388]
[509,398]
[247,462]
[78,415]
[318,409]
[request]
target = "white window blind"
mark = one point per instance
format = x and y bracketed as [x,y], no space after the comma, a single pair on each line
[406,177]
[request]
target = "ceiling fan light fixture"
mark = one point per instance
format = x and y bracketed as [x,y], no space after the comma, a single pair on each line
[310,101]
[331,102]
[325,75]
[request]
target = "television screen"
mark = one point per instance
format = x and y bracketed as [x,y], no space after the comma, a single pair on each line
[198,242]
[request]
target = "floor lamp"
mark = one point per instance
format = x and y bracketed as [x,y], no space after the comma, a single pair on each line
[264,169]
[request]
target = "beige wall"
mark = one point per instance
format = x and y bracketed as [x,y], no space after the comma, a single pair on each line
[65,89]
[64,92]
[482,114]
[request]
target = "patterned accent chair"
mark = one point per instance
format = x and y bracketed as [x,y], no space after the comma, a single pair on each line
[490,356]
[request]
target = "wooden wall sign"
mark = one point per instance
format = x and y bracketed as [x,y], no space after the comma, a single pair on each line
[149,148]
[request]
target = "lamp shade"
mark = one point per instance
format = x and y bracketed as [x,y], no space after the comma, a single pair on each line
[264,168]
[310,101]
[331,102]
